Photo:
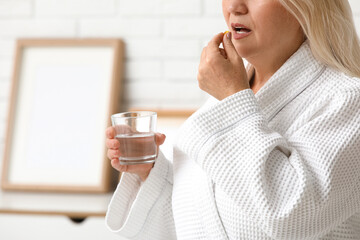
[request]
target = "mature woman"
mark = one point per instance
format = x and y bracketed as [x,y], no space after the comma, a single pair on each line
[276,153]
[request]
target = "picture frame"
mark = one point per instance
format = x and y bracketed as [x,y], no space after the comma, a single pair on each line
[63,94]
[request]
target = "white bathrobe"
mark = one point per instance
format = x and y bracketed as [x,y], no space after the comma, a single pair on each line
[283,163]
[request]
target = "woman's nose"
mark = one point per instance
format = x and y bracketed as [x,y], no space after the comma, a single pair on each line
[236,7]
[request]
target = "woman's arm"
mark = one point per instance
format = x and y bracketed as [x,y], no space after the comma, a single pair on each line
[143,210]
[298,187]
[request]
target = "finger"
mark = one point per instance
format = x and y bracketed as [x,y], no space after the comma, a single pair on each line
[112,144]
[216,41]
[223,53]
[160,138]
[116,164]
[203,55]
[111,154]
[201,69]
[229,47]
[110,132]
[202,61]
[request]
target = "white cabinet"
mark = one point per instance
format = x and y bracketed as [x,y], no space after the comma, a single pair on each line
[44,227]
[43,216]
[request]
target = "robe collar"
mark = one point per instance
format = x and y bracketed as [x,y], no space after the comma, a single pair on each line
[293,77]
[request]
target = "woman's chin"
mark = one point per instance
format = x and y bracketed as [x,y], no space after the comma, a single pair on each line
[244,53]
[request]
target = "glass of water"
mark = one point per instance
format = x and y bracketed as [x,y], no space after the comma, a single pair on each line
[136,133]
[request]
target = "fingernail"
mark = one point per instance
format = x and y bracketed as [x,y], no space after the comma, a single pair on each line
[228,35]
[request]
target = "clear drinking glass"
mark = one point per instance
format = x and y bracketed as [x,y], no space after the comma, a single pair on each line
[136,133]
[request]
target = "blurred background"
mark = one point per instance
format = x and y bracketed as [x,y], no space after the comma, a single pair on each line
[163,41]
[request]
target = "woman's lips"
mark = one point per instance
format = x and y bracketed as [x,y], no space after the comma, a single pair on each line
[240,35]
[240,31]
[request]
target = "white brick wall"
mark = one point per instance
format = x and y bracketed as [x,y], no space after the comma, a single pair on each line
[7,49]
[15,28]
[158,8]
[5,68]
[3,117]
[163,38]
[143,70]
[213,8]
[4,90]
[75,8]
[161,48]
[180,69]
[194,27]
[15,8]
[122,27]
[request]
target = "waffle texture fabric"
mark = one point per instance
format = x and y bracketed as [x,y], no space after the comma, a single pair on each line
[283,163]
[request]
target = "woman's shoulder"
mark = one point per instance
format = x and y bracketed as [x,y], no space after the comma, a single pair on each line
[332,91]
[340,84]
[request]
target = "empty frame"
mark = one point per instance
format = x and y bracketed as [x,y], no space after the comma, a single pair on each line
[63,94]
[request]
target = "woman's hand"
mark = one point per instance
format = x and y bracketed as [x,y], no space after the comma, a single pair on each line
[113,153]
[221,71]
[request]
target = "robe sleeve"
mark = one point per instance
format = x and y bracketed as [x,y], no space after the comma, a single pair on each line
[144,211]
[298,186]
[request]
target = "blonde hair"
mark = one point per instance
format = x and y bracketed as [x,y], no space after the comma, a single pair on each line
[330,30]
